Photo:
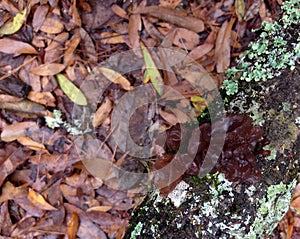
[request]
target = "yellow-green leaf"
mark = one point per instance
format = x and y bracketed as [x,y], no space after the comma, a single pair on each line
[15,25]
[240,9]
[116,78]
[152,71]
[199,104]
[71,90]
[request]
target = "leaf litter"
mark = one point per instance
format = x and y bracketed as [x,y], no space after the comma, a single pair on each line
[46,190]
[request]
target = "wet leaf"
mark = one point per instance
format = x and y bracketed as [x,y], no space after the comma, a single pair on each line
[10,46]
[173,16]
[39,201]
[73,225]
[103,112]
[71,90]
[116,78]
[15,25]
[14,131]
[152,71]
[222,50]
[239,9]
[48,69]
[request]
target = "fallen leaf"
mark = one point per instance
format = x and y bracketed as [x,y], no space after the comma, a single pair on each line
[134,27]
[116,78]
[10,192]
[52,26]
[111,38]
[119,11]
[24,106]
[179,18]
[186,39]
[48,69]
[239,9]
[102,113]
[152,71]
[200,51]
[44,98]
[168,116]
[39,17]
[87,45]
[26,141]
[14,131]
[222,50]
[199,104]
[71,45]
[73,225]
[15,25]
[252,10]
[39,201]
[10,46]
[71,90]
[99,208]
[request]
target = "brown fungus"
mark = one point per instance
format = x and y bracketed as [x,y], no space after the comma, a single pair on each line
[243,143]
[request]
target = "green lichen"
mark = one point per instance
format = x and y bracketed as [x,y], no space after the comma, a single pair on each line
[137,231]
[270,53]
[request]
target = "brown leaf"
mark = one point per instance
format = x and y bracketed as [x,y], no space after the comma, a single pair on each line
[116,78]
[39,17]
[10,192]
[102,113]
[88,46]
[200,51]
[55,49]
[99,208]
[111,38]
[119,11]
[44,98]
[10,46]
[24,106]
[134,27]
[10,158]
[14,131]
[173,16]
[73,225]
[71,46]
[75,15]
[222,50]
[186,39]
[26,141]
[39,201]
[49,69]
[52,26]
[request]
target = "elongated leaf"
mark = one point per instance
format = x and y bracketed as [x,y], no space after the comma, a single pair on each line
[240,9]
[116,78]
[10,46]
[153,72]
[48,69]
[39,201]
[15,25]
[71,90]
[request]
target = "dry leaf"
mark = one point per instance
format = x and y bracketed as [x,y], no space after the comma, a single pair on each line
[14,131]
[134,27]
[111,38]
[15,25]
[222,50]
[99,208]
[116,78]
[73,225]
[28,142]
[102,113]
[71,90]
[52,26]
[10,192]
[119,11]
[39,17]
[88,46]
[24,106]
[39,201]
[71,45]
[200,51]
[48,69]
[10,46]
[239,9]
[173,16]
[168,116]
[44,98]
[186,39]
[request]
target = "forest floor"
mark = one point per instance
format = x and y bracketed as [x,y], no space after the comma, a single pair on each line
[92,94]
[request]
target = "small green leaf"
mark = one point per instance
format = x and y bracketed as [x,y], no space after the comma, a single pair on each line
[15,25]
[152,71]
[71,90]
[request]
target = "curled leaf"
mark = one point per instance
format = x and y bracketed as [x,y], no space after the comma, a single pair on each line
[14,26]
[71,90]
[102,113]
[39,201]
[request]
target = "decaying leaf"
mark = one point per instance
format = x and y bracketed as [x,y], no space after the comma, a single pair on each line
[44,98]
[10,46]
[71,46]
[111,38]
[152,71]
[39,201]
[99,208]
[116,78]
[9,192]
[14,131]
[200,51]
[199,104]
[28,142]
[186,39]
[15,25]
[222,51]
[48,69]
[39,16]
[102,113]
[173,16]
[134,27]
[239,9]
[71,90]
